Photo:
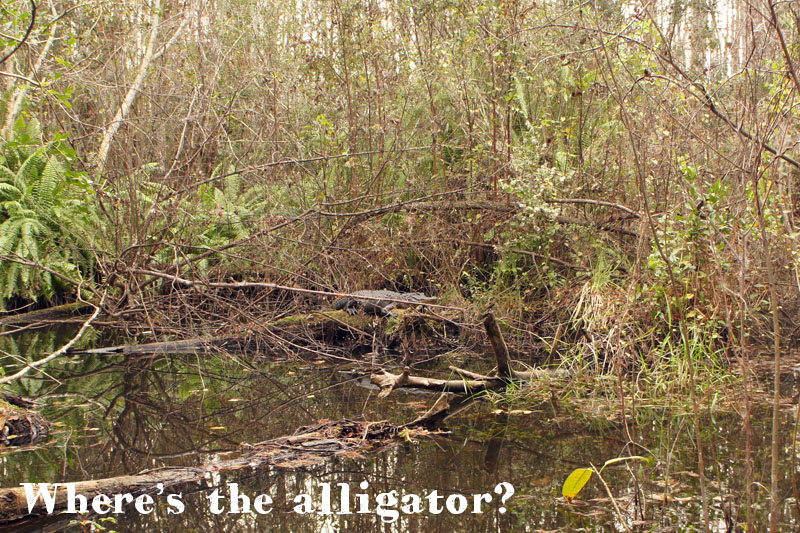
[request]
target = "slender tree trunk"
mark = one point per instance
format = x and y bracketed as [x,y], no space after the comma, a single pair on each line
[776,347]
[15,106]
[135,89]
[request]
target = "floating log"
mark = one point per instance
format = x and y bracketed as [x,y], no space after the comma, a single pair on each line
[309,445]
[44,315]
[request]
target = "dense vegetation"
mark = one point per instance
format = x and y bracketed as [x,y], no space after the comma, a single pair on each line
[616,178]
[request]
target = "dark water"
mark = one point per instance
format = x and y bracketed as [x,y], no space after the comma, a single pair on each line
[117,415]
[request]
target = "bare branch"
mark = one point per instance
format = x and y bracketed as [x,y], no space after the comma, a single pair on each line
[24,37]
[61,351]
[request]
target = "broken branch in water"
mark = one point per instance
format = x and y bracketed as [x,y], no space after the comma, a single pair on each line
[308,446]
[61,351]
[447,405]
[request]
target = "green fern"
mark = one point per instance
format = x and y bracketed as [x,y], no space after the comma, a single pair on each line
[46,217]
[44,189]
[9,192]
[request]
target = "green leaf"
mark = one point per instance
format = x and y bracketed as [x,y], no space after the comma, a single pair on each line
[575,482]
[622,459]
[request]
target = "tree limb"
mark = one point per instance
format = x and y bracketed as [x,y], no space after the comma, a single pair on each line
[60,351]
[24,37]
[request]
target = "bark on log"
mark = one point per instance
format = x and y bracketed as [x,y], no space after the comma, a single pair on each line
[308,446]
[387,380]
[498,345]
[51,313]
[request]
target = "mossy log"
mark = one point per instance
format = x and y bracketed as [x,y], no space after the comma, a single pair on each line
[329,327]
[49,314]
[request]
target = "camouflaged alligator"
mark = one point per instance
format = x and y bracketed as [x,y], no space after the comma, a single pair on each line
[383,303]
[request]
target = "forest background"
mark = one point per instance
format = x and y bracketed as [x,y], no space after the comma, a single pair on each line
[616,179]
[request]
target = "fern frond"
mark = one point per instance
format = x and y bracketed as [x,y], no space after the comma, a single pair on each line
[45,187]
[9,234]
[31,169]
[28,245]
[7,175]
[9,192]
[10,280]
[34,130]
[232,184]
[12,157]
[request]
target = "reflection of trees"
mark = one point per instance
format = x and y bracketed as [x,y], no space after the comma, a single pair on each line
[153,410]
[28,342]
[497,434]
[167,407]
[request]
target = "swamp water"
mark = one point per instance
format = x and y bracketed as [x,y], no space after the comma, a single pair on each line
[117,415]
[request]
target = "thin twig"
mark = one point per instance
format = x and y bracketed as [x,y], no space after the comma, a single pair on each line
[60,351]
[24,37]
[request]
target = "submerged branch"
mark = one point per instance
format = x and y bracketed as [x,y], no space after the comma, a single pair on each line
[61,351]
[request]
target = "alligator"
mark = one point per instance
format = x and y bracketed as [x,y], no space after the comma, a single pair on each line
[383,302]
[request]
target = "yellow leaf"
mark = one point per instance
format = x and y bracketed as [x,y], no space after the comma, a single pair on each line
[575,482]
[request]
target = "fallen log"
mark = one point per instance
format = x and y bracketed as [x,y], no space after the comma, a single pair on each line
[309,446]
[470,382]
[327,327]
[45,315]
[458,394]
[388,382]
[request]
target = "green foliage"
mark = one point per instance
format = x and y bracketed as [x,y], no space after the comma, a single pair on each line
[694,238]
[531,229]
[581,476]
[46,216]
[219,212]
[228,209]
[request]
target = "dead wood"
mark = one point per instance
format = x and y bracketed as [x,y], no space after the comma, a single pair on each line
[51,313]
[21,426]
[445,406]
[470,382]
[388,382]
[597,225]
[58,353]
[317,329]
[498,345]
[265,285]
[17,401]
[309,446]
[449,404]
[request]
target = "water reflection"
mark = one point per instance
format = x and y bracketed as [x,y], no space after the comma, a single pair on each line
[120,415]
